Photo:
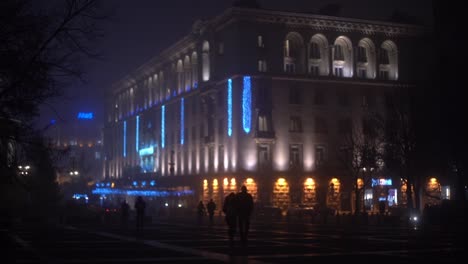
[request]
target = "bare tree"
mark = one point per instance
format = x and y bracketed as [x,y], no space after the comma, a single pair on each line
[360,154]
[400,141]
[40,52]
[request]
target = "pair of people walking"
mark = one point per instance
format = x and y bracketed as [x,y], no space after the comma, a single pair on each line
[238,209]
[201,211]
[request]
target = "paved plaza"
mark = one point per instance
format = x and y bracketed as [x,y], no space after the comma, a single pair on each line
[178,240]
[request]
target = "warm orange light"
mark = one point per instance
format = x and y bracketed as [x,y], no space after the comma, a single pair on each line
[205,182]
[215,182]
[233,181]
[433,180]
[112,185]
[360,183]
[249,181]
[281,181]
[310,181]
[334,180]
[226,181]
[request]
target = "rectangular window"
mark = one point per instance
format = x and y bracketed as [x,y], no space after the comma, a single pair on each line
[290,68]
[344,126]
[263,156]
[295,96]
[221,48]
[343,99]
[211,158]
[362,73]
[319,97]
[319,155]
[220,127]
[194,159]
[321,125]
[338,71]
[295,155]
[220,157]
[262,66]
[314,70]
[383,74]
[295,124]
[260,42]
[262,123]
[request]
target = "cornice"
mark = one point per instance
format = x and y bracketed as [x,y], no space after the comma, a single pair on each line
[319,22]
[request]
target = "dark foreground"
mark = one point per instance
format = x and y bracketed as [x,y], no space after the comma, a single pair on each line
[185,240]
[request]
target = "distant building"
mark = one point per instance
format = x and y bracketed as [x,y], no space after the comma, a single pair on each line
[80,139]
[260,98]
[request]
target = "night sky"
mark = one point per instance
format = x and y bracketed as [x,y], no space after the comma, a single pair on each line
[138,30]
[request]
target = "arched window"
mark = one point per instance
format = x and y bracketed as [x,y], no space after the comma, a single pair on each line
[180,76]
[206,61]
[162,88]
[388,61]
[294,53]
[155,88]
[365,59]
[318,55]
[343,57]
[194,70]
[150,91]
[188,73]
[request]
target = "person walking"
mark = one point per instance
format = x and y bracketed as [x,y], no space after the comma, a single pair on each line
[140,206]
[211,207]
[244,203]
[201,211]
[124,211]
[229,210]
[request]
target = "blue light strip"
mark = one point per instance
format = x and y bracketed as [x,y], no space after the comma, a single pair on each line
[125,139]
[163,129]
[182,121]
[246,104]
[141,192]
[137,136]
[229,108]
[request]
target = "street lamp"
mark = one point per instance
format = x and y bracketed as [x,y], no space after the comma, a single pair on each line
[24,170]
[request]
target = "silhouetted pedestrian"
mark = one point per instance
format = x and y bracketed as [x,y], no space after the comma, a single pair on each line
[211,207]
[244,202]
[201,211]
[140,207]
[229,209]
[124,213]
[381,207]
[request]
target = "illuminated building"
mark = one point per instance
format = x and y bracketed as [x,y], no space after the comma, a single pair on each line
[265,96]
[80,136]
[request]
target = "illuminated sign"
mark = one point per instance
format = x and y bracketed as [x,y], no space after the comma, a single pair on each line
[85,115]
[146,151]
[381,182]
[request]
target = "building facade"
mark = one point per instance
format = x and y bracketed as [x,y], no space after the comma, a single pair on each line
[258,98]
